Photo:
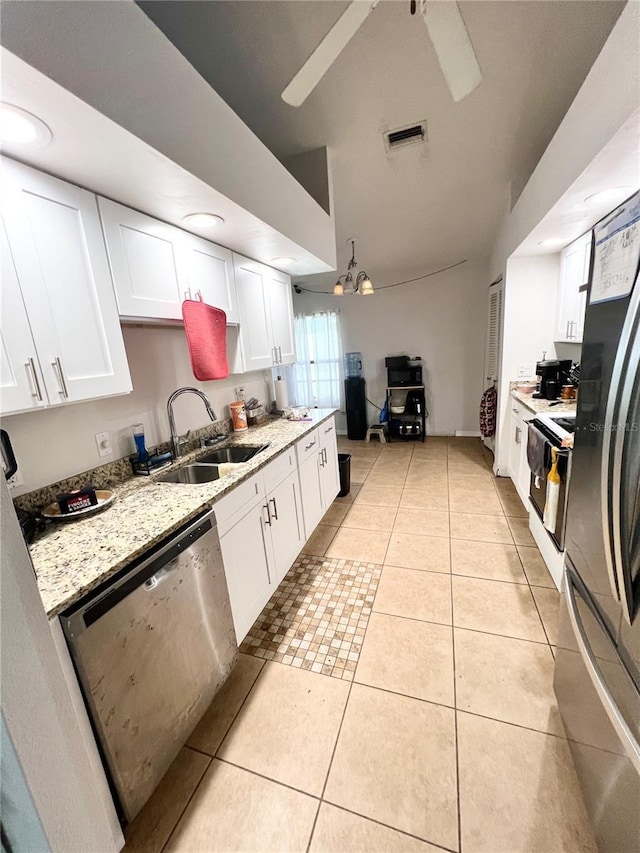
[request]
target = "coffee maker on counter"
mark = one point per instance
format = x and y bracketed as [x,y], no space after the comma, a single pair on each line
[552,375]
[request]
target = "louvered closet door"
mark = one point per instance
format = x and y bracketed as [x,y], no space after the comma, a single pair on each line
[494,334]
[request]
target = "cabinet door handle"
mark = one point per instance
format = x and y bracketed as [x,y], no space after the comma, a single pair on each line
[267,520]
[274,360]
[57,366]
[279,355]
[516,411]
[309,446]
[199,295]
[518,432]
[275,508]
[31,368]
[328,429]
[321,455]
[187,293]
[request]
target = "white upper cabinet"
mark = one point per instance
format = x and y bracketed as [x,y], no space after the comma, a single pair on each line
[255,332]
[210,274]
[148,268]
[280,300]
[266,314]
[58,250]
[156,266]
[21,382]
[572,290]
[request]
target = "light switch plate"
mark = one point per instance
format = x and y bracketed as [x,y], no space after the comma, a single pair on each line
[103,443]
[525,371]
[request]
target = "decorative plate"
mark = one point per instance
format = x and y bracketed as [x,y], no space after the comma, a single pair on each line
[105,497]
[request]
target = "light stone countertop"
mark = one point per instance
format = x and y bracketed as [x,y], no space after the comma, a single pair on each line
[538,406]
[75,557]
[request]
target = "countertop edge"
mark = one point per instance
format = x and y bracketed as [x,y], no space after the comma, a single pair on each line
[55,609]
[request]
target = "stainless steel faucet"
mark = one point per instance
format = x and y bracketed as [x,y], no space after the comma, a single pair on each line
[178,440]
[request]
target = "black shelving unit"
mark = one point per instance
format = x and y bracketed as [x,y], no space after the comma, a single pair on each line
[409,419]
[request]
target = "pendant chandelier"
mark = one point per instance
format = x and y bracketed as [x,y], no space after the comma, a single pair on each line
[360,284]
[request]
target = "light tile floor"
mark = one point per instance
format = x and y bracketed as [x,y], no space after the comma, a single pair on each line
[437,727]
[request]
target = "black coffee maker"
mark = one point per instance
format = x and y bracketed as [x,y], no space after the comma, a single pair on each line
[552,375]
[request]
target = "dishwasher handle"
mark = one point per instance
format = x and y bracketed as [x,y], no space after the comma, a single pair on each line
[142,570]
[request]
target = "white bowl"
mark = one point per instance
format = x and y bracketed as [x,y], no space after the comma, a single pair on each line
[397,410]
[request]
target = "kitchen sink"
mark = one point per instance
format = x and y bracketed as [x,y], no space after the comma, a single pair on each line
[237,453]
[192,475]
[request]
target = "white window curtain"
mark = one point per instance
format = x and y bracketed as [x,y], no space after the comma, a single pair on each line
[315,380]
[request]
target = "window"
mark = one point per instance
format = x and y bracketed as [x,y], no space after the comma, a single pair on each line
[315,379]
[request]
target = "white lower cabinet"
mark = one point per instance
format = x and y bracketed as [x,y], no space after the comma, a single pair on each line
[311,493]
[329,473]
[518,464]
[286,525]
[245,552]
[261,533]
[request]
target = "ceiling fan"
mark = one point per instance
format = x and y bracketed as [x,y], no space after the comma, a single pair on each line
[446,30]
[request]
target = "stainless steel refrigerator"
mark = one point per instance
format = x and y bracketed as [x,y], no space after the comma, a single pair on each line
[597,671]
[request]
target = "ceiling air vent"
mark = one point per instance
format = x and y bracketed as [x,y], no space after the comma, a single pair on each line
[405,136]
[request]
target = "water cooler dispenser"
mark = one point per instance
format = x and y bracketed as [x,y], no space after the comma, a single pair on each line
[355,397]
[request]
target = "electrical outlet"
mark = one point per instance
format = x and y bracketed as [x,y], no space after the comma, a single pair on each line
[103,443]
[15,481]
[525,371]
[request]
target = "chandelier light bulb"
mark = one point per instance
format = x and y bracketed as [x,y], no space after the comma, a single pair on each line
[338,289]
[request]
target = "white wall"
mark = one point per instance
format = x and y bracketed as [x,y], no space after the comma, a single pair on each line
[529,328]
[59,762]
[441,319]
[605,101]
[114,58]
[53,444]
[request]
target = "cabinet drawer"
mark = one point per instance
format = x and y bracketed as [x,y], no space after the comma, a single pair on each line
[326,429]
[275,472]
[233,506]
[308,445]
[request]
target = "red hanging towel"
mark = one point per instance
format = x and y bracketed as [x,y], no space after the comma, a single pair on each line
[488,407]
[206,329]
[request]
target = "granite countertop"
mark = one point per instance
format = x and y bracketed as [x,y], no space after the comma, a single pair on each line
[75,557]
[565,407]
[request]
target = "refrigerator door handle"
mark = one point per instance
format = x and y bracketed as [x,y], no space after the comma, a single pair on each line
[627,738]
[608,471]
[630,348]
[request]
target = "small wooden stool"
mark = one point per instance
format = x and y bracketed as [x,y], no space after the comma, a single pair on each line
[376,431]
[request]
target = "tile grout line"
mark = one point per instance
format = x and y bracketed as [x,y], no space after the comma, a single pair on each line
[187,804]
[211,759]
[333,751]
[455,694]
[388,826]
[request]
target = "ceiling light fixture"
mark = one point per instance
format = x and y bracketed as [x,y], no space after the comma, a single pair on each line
[361,284]
[19,127]
[613,195]
[203,220]
[283,261]
[550,242]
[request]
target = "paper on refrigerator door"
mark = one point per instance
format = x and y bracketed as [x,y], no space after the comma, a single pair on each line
[617,251]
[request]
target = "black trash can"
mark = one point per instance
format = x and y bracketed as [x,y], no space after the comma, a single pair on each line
[344,465]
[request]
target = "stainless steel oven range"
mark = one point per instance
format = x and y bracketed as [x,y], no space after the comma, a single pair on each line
[552,429]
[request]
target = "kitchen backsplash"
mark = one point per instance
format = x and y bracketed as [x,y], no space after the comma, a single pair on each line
[58,444]
[112,473]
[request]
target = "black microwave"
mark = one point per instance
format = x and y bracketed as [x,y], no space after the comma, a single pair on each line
[400,374]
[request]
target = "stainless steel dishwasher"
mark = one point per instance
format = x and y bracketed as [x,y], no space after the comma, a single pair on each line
[151,650]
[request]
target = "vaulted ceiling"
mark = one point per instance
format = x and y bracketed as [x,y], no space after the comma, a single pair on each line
[424,206]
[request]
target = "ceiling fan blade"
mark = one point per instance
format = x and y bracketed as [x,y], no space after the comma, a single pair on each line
[453,46]
[327,52]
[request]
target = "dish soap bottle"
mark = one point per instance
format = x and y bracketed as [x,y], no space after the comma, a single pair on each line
[553,493]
